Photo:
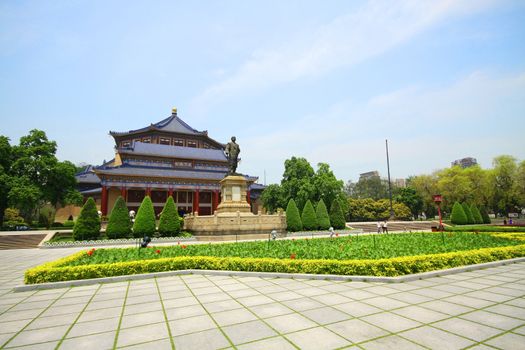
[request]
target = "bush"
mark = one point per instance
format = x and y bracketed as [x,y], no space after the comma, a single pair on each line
[57,224]
[458,216]
[69,223]
[119,225]
[293,219]
[337,217]
[12,215]
[468,213]
[476,214]
[485,216]
[323,220]
[87,226]
[145,220]
[169,224]
[308,217]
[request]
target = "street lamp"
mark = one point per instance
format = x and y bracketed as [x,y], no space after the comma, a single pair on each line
[438,199]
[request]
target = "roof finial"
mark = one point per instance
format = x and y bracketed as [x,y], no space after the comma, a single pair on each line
[174,110]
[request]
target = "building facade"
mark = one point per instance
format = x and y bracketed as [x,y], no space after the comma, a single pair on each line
[465,162]
[168,158]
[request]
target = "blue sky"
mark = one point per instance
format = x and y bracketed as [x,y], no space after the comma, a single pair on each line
[324,80]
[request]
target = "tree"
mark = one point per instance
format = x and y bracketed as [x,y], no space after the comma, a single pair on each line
[426,187]
[24,195]
[326,184]
[293,219]
[297,182]
[6,155]
[519,184]
[371,187]
[169,224]
[119,225]
[485,215]
[308,217]
[468,213]
[145,220]
[87,226]
[336,215]
[272,198]
[458,216]
[323,220]
[505,171]
[476,214]
[409,197]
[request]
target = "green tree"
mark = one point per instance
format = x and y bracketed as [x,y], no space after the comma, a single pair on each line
[119,225]
[458,216]
[293,219]
[323,219]
[505,171]
[371,187]
[297,182]
[6,155]
[476,214]
[409,197]
[485,215]
[24,195]
[336,215]
[519,184]
[169,224]
[326,184]
[426,186]
[468,213]
[87,226]
[272,198]
[308,217]
[145,220]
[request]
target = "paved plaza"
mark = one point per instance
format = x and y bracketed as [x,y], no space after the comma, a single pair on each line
[483,309]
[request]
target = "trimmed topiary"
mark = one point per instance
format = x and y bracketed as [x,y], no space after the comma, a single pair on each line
[87,226]
[169,224]
[145,220]
[458,216]
[308,217]
[337,217]
[323,220]
[293,219]
[119,225]
[468,213]
[476,214]
[485,216]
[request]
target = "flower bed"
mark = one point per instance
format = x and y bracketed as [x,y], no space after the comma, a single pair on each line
[341,256]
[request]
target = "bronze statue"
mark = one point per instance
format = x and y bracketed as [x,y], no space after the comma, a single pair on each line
[232,151]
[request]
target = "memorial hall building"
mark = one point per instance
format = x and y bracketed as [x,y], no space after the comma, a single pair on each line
[168,158]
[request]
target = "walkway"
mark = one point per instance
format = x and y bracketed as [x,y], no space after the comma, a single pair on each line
[484,309]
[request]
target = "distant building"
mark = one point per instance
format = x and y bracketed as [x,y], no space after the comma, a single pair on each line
[465,162]
[400,183]
[368,175]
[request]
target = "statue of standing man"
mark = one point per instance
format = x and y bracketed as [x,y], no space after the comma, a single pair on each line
[232,151]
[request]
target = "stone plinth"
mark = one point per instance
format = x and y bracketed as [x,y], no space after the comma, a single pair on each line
[233,216]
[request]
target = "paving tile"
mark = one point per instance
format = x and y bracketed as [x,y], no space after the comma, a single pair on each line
[272,289]
[255,300]
[205,340]
[275,343]
[385,303]
[19,315]
[356,330]
[493,320]
[282,296]
[290,323]
[59,320]
[99,341]
[391,322]
[357,308]
[410,298]
[326,315]
[381,290]
[270,310]
[358,294]
[145,333]
[100,314]
[38,336]
[506,291]
[142,319]
[4,337]
[390,342]
[468,301]
[310,292]
[508,310]
[302,304]
[141,308]
[12,326]
[184,312]
[317,339]
[92,327]
[206,290]
[162,344]
[143,299]
[436,339]
[494,297]
[248,331]
[331,299]
[421,314]
[520,330]
[468,329]
[226,318]
[432,293]
[223,305]
[519,302]
[213,297]
[508,341]
[180,302]
[446,307]
[242,293]
[191,325]
[40,346]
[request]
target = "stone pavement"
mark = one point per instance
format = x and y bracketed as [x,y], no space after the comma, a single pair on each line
[483,309]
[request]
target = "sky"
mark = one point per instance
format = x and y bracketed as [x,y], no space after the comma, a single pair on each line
[329,81]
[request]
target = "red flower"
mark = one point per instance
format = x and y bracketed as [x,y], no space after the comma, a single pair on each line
[157,251]
[292,256]
[337,234]
[90,252]
[183,246]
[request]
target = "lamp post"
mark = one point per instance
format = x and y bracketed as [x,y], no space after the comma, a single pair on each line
[389,183]
[438,199]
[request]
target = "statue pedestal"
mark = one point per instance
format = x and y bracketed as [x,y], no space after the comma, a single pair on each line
[233,195]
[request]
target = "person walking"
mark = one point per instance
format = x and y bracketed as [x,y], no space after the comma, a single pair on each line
[385,227]
[379,227]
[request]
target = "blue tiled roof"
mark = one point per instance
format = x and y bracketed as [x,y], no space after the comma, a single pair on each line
[87,177]
[153,149]
[170,124]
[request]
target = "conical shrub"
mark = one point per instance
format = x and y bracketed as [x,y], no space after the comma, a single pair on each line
[337,217]
[476,214]
[458,216]
[119,225]
[87,226]
[169,224]
[145,220]
[323,220]
[293,219]
[468,213]
[308,217]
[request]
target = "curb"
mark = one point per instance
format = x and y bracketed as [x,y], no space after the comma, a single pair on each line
[399,279]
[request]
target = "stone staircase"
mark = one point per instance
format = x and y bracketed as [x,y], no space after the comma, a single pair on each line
[14,241]
[394,226]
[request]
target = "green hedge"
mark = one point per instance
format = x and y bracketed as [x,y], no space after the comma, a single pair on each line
[169,223]
[119,225]
[52,272]
[308,217]
[458,216]
[87,226]
[485,228]
[337,217]
[293,218]
[145,220]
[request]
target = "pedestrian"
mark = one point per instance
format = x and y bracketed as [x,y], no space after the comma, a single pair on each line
[385,227]
[379,227]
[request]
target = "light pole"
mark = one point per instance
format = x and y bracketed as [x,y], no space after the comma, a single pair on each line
[438,199]
[389,183]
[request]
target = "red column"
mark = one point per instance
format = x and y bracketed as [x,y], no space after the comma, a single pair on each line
[124,193]
[215,201]
[248,197]
[170,192]
[196,201]
[104,201]
[148,191]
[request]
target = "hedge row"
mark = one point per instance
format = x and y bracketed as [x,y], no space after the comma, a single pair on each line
[473,228]
[56,271]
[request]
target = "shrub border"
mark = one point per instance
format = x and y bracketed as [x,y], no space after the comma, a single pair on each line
[55,271]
